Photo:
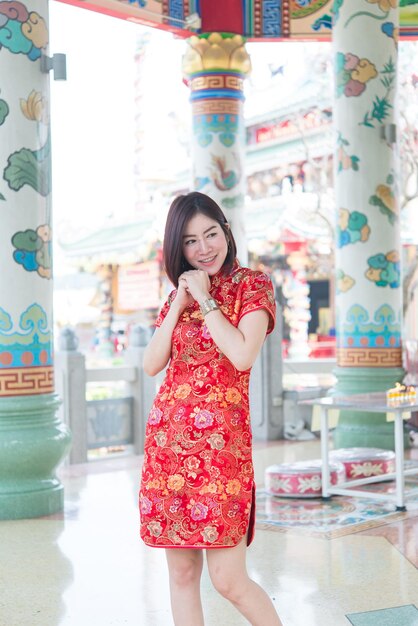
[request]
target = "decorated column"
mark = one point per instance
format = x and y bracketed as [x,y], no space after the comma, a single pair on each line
[215,66]
[368,275]
[32,440]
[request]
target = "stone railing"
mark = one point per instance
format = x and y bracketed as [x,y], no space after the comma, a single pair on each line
[110,421]
[121,421]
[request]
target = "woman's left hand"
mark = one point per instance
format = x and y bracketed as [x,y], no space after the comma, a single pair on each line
[198,283]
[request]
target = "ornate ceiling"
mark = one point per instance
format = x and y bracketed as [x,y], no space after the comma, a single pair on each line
[255,19]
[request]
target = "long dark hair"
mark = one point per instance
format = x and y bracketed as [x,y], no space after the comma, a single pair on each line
[182,209]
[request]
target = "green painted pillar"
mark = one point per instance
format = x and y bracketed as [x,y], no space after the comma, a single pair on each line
[215,66]
[368,275]
[32,440]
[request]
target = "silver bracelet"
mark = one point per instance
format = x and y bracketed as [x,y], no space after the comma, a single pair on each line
[207,305]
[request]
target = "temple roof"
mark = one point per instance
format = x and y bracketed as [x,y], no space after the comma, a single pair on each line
[129,237]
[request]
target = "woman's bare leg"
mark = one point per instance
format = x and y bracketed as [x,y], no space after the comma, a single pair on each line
[228,572]
[185,569]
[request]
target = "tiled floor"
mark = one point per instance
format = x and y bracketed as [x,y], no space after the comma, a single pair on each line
[91,569]
[397,616]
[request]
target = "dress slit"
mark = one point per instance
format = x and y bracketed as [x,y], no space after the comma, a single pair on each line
[251,521]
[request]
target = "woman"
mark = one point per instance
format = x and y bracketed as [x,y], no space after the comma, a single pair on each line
[197,489]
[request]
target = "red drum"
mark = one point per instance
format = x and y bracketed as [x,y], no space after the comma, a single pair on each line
[364,462]
[301,479]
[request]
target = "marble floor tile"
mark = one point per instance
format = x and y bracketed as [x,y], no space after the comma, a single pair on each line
[88,567]
[401,616]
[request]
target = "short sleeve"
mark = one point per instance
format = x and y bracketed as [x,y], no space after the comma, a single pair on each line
[165,309]
[258,293]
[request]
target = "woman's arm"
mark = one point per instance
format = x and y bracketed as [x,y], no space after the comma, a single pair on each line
[158,351]
[241,344]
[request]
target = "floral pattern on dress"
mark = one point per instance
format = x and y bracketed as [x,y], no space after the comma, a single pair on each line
[197,487]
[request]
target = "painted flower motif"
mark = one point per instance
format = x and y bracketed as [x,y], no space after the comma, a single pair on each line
[44,232]
[384,5]
[198,511]
[388,28]
[145,505]
[343,217]
[36,30]
[216,441]
[385,194]
[393,256]
[210,534]
[233,487]
[352,227]
[233,395]
[182,391]
[35,107]
[155,529]
[384,269]
[351,61]
[352,74]
[385,200]
[155,416]
[344,282]
[160,438]
[175,482]
[354,88]
[364,71]
[203,419]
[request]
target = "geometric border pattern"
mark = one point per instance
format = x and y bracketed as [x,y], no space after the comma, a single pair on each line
[217,106]
[207,82]
[369,357]
[24,381]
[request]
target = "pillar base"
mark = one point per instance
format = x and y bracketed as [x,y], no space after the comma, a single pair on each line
[32,504]
[356,429]
[32,444]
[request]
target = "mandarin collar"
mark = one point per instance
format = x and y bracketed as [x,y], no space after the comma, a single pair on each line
[222,275]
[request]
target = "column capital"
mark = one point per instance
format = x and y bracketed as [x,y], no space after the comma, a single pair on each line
[216,52]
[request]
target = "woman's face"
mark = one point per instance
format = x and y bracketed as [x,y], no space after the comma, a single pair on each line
[205,246]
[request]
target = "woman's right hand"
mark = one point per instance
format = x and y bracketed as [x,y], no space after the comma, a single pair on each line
[183,297]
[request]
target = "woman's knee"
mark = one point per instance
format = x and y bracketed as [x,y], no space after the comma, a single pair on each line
[229,585]
[185,571]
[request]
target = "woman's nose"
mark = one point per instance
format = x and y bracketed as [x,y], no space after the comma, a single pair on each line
[203,245]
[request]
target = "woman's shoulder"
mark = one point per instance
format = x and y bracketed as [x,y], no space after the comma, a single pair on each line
[248,276]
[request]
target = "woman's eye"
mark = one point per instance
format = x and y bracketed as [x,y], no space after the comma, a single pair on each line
[189,242]
[212,234]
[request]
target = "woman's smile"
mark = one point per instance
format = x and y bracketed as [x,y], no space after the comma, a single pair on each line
[205,245]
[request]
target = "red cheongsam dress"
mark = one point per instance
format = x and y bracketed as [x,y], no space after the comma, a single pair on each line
[197,487]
